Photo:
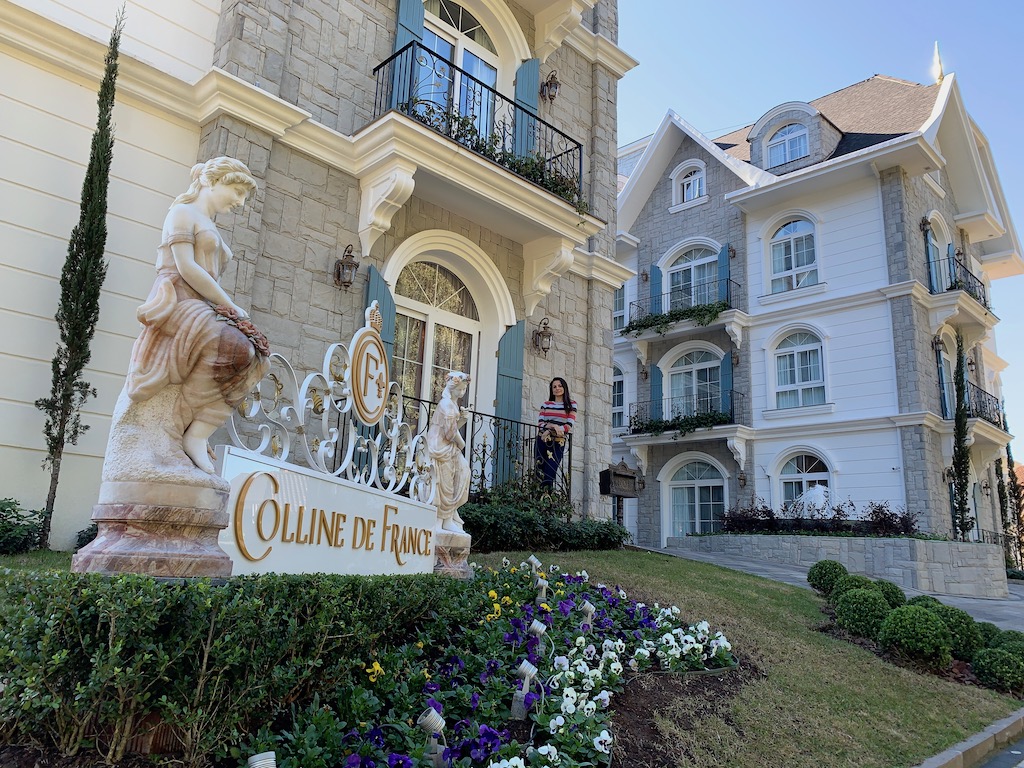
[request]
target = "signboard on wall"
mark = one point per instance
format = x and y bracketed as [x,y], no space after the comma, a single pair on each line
[288,519]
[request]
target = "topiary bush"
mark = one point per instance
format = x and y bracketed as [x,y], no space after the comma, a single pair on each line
[1006,636]
[824,574]
[966,637]
[20,529]
[999,669]
[1015,647]
[846,583]
[917,634]
[989,632]
[862,611]
[892,593]
[924,601]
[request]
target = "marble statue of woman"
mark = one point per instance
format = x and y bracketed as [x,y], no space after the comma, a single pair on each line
[446,447]
[198,355]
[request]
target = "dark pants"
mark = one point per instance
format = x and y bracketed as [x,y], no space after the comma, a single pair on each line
[548,456]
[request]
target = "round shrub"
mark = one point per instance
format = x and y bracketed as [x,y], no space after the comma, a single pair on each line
[893,595]
[1006,636]
[925,601]
[1014,647]
[862,611]
[824,574]
[989,632]
[918,634]
[846,583]
[966,637]
[996,668]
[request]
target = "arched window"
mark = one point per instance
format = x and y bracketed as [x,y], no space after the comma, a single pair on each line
[794,264]
[692,185]
[689,184]
[799,373]
[618,399]
[800,474]
[693,279]
[698,499]
[788,143]
[694,385]
[437,327]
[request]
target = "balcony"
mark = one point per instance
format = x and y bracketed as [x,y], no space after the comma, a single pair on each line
[951,274]
[430,89]
[703,410]
[980,404]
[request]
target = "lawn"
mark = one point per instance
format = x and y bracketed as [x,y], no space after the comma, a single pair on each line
[801,697]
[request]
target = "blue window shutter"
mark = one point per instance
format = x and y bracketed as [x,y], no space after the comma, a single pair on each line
[377,289]
[942,386]
[723,275]
[656,411]
[726,383]
[410,23]
[655,290]
[527,96]
[511,449]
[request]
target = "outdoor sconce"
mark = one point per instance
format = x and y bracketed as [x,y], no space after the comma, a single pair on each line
[971,365]
[549,88]
[645,276]
[735,357]
[938,345]
[542,337]
[948,474]
[432,724]
[345,269]
[741,478]
[925,224]
[644,373]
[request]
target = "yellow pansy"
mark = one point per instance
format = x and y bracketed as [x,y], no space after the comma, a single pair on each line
[375,671]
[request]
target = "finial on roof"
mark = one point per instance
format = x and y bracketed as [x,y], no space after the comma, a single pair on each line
[937,72]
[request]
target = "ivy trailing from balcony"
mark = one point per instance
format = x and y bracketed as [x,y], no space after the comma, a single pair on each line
[700,314]
[682,425]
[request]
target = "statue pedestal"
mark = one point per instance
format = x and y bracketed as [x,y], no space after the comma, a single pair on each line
[452,551]
[158,530]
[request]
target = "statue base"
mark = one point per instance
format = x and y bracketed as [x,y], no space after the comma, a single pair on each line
[452,551]
[156,529]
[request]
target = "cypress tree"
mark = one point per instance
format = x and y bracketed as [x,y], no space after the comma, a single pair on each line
[962,521]
[1016,495]
[81,280]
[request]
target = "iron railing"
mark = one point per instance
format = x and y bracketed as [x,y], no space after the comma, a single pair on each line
[427,87]
[701,410]
[951,274]
[697,294]
[995,537]
[980,404]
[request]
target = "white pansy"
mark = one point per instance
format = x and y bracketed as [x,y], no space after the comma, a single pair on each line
[561,663]
[604,699]
[608,644]
[568,708]
[505,562]
[589,652]
[587,684]
[615,668]
[603,742]
[622,594]
[584,575]
[620,646]
[589,708]
[569,694]
[581,641]
[556,724]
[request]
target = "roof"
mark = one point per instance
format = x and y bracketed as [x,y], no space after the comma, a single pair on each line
[869,112]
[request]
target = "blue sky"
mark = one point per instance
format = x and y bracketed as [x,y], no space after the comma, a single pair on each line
[721,66]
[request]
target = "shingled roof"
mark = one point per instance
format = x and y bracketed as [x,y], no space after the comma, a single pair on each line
[868,113]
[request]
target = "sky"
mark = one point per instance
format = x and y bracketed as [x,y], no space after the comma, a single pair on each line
[721,66]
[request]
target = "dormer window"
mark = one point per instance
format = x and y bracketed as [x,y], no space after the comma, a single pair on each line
[688,185]
[789,143]
[693,185]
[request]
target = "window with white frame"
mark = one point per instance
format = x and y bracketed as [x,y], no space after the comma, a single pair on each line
[619,309]
[787,144]
[794,264]
[694,385]
[693,279]
[693,185]
[618,399]
[697,493]
[688,184]
[799,372]
[800,474]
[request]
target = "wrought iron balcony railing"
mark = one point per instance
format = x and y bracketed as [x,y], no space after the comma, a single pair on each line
[427,87]
[951,274]
[701,410]
[980,404]
[681,303]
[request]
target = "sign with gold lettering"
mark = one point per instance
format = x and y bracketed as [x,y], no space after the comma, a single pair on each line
[369,369]
[288,519]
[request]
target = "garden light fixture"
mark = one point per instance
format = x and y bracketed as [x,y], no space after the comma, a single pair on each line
[263,760]
[431,723]
[542,594]
[345,268]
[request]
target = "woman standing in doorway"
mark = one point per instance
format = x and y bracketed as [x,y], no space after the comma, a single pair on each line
[557,417]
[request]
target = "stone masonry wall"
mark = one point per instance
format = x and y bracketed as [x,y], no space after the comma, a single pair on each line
[822,138]
[943,567]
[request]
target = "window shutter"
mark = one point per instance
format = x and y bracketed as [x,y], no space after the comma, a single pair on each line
[511,449]
[726,383]
[657,410]
[655,290]
[951,265]
[377,289]
[723,275]
[943,399]
[410,23]
[527,97]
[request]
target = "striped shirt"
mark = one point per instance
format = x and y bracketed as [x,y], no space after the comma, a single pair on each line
[553,416]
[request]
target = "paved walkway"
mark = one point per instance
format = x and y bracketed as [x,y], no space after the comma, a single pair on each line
[1007,614]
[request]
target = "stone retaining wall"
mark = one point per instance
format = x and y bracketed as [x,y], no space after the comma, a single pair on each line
[944,567]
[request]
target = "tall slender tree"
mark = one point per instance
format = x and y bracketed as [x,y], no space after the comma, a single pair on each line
[962,520]
[1015,494]
[81,280]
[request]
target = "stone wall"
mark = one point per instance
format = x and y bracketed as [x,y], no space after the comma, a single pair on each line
[944,567]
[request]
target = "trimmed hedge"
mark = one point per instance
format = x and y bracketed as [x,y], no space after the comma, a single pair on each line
[996,668]
[499,527]
[924,601]
[862,611]
[892,593]
[824,574]
[989,632]
[963,628]
[917,634]
[20,529]
[846,583]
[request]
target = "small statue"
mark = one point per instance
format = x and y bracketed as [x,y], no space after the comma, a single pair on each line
[446,447]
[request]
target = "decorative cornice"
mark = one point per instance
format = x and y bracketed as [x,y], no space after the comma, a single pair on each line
[594,266]
[554,23]
[382,195]
[547,259]
[598,49]
[219,93]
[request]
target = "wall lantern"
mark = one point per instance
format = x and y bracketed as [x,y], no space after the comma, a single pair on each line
[948,474]
[644,373]
[741,478]
[986,487]
[549,88]
[542,337]
[938,345]
[925,224]
[972,366]
[645,276]
[345,268]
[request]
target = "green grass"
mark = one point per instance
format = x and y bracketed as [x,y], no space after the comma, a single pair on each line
[817,701]
[44,560]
